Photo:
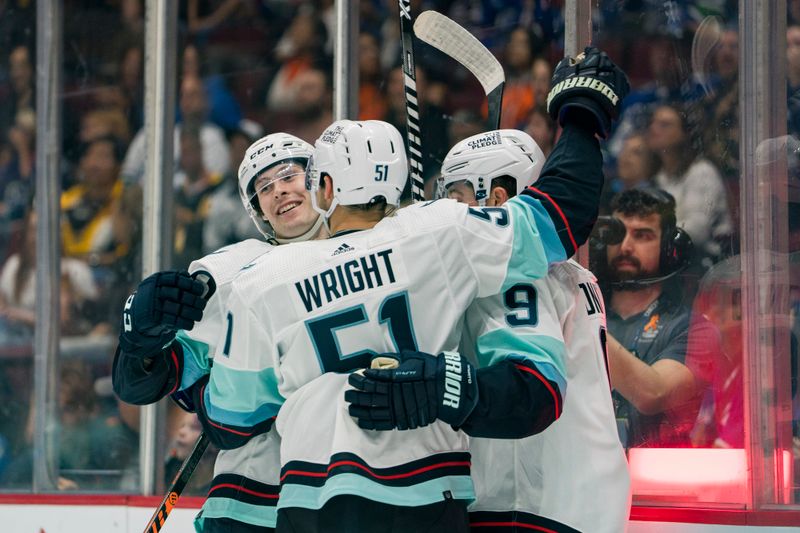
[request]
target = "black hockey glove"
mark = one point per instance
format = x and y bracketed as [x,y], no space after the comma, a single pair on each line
[591,82]
[421,389]
[162,304]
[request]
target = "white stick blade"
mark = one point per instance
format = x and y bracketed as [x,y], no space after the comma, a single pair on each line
[450,38]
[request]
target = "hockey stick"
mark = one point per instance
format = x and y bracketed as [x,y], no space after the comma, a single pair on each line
[413,135]
[453,40]
[178,484]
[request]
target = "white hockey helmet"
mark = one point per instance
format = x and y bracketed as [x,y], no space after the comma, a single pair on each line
[268,152]
[481,158]
[365,160]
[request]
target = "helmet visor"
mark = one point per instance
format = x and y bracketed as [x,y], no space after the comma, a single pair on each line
[312,175]
[282,173]
[460,190]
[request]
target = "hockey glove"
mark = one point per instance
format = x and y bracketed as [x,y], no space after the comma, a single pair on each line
[162,304]
[591,82]
[421,389]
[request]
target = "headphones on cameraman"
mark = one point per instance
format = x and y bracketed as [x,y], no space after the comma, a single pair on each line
[676,248]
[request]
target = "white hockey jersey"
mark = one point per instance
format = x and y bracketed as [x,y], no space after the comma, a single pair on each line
[329,306]
[246,480]
[574,475]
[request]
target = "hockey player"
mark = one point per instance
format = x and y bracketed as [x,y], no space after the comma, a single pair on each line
[165,346]
[328,290]
[547,480]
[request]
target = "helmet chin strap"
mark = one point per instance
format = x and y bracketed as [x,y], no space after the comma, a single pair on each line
[323,214]
[308,235]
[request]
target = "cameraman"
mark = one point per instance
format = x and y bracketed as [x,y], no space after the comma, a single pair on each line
[648,321]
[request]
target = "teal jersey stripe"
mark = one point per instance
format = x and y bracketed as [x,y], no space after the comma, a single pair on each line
[241,397]
[257,515]
[547,353]
[425,493]
[536,242]
[195,359]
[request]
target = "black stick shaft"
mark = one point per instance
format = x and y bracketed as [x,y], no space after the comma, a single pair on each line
[182,477]
[495,101]
[413,135]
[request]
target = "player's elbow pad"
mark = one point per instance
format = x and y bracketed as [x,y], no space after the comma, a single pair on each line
[516,401]
[140,383]
[224,436]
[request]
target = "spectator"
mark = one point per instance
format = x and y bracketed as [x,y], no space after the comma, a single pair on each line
[194,109]
[223,109]
[540,81]
[299,49]
[17,289]
[127,225]
[20,70]
[700,197]
[721,107]
[88,207]
[200,20]
[715,357]
[371,101]
[229,223]
[313,110]
[793,11]
[131,85]
[192,198]
[518,98]
[188,432]
[668,85]
[648,324]
[542,128]
[89,440]
[124,89]
[17,160]
[99,123]
[636,166]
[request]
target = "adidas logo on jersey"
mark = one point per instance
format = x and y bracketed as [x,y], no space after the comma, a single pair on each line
[343,249]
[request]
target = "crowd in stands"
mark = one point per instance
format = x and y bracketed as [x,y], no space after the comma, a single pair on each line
[246,68]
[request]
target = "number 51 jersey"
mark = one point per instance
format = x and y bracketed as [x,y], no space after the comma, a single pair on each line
[306,309]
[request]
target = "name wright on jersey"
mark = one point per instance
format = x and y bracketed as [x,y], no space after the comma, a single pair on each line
[356,275]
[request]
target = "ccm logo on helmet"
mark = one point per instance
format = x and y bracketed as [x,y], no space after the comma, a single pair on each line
[452,380]
[260,151]
[587,82]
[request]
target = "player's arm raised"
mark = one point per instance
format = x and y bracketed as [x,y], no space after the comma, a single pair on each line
[585,97]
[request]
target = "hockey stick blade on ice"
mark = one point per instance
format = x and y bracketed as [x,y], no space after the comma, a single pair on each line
[413,136]
[178,484]
[453,40]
